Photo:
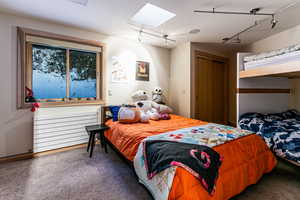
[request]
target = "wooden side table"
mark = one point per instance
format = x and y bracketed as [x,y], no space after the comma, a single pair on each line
[92,131]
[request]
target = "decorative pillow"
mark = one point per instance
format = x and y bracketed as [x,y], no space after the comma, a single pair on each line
[129,115]
[114,111]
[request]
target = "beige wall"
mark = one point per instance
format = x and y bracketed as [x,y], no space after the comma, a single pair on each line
[16,125]
[180,79]
[277,41]
[182,67]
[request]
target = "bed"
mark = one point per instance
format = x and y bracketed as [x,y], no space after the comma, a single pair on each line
[245,159]
[291,53]
[281,132]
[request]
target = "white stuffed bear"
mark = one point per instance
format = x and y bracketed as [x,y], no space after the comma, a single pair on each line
[162,108]
[149,109]
[139,95]
[157,95]
[146,107]
[154,110]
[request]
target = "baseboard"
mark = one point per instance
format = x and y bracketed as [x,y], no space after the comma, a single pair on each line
[25,156]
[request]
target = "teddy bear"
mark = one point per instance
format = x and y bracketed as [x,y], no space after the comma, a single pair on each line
[150,109]
[157,95]
[139,95]
[147,110]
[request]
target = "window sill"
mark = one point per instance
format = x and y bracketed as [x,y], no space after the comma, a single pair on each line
[65,104]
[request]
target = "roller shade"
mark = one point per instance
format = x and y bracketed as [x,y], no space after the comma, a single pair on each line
[61,44]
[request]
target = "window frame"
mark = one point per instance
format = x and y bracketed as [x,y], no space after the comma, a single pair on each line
[24,62]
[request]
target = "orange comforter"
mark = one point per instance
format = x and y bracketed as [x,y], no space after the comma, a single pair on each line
[245,159]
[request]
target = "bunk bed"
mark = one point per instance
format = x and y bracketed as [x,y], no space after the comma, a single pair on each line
[282,63]
[263,87]
[281,132]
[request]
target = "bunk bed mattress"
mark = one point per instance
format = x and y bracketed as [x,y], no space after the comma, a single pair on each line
[279,56]
[278,59]
[245,159]
[280,131]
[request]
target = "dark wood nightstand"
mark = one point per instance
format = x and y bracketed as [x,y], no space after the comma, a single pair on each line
[92,131]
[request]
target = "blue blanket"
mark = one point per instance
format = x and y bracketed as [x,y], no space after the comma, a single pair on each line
[281,131]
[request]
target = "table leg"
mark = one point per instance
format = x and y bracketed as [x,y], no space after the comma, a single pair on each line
[93,144]
[89,144]
[101,139]
[104,143]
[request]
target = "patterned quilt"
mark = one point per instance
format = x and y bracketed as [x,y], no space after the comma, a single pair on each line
[281,131]
[209,135]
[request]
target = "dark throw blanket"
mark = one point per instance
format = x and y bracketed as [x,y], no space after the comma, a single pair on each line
[201,161]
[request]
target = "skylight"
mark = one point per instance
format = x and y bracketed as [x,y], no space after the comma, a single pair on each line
[152,15]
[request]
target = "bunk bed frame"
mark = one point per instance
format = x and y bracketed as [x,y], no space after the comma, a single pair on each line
[288,69]
[270,81]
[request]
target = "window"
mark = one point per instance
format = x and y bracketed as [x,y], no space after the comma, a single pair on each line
[83,74]
[49,72]
[59,70]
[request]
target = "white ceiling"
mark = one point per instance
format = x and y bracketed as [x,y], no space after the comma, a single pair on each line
[112,17]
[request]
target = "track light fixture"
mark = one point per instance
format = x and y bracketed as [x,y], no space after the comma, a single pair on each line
[140,36]
[274,22]
[236,38]
[254,11]
[142,32]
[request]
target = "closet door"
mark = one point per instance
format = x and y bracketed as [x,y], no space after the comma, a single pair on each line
[211,90]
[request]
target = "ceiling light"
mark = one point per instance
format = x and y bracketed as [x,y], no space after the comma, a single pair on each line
[81,2]
[151,15]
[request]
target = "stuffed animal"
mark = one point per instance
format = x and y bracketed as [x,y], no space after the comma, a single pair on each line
[162,108]
[146,108]
[149,109]
[139,95]
[30,99]
[154,110]
[157,95]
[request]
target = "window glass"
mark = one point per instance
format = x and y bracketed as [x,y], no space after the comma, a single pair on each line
[48,72]
[83,82]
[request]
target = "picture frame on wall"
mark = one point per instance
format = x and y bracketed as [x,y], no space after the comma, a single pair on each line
[142,71]
[119,72]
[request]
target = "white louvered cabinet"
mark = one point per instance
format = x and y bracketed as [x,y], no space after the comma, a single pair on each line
[62,127]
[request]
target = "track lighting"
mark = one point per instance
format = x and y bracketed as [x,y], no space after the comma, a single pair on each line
[140,36]
[273,22]
[237,40]
[254,11]
[141,32]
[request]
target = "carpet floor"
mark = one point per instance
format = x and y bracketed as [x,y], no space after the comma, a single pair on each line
[73,175]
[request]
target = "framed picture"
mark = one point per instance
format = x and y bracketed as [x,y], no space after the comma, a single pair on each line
[119,72]
[142,71]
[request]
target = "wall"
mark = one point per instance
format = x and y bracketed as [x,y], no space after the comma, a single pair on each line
[16,125]
[277,41]
[182,67]
[180,79]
